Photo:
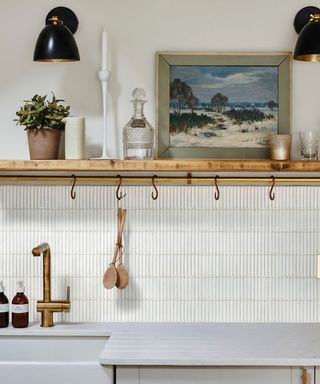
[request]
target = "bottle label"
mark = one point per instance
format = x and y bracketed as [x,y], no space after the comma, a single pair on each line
[20,308]
[4,308]
[138,123]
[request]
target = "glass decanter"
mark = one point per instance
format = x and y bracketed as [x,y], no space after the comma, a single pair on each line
[138,134]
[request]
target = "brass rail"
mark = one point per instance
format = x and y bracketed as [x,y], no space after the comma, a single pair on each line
[161,179]
[215,181]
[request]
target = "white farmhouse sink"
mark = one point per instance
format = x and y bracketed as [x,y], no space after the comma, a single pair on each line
[60,354]
[55,348]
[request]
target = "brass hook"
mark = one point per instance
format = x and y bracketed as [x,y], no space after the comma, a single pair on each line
[271,193]
[155,193]
[119,194]
[217,192]
[72,193]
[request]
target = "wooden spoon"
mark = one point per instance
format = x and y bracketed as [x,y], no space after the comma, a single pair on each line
[110,277]
[123,276]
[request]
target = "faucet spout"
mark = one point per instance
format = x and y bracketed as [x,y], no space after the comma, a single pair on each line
[46,306]
[45,249]
[36,251]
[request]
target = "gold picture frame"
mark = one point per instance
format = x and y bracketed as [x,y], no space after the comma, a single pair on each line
[279,63]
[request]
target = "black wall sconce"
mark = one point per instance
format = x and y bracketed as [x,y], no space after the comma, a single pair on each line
[56,42]
[307,25]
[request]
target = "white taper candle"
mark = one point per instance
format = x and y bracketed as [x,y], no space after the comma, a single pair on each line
[104,50]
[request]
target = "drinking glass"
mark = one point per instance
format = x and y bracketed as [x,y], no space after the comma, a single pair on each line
[309,144]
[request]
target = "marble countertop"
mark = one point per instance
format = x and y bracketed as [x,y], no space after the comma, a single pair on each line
[194,344]
[215,345]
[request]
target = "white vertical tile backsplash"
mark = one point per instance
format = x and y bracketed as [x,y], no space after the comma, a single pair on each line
[190,258]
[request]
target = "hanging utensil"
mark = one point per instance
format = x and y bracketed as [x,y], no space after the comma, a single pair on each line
[111,277]
[123,276]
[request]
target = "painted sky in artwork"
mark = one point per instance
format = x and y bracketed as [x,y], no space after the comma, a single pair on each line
[238,83]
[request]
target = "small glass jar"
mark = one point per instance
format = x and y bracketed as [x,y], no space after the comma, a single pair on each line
[138,134]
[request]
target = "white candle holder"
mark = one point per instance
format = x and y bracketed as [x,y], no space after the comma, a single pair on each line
[104,77]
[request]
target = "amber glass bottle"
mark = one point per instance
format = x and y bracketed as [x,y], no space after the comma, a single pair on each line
[20,308]
[4,308]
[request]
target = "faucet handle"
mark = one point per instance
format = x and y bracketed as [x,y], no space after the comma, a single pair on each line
[65,305]
[68,294]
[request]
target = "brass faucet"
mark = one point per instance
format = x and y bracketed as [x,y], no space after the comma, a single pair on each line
[47,306]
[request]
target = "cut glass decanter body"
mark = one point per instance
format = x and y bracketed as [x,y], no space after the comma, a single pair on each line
[138,134]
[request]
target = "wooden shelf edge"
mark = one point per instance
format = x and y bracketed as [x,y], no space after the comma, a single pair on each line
[158,166]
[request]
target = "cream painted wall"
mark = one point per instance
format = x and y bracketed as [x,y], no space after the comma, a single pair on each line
[137,29]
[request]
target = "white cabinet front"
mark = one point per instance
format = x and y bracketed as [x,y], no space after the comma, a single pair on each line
[205,375]
[317,375]
[215,375]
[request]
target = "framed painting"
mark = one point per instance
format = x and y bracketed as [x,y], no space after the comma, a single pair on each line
[223,106]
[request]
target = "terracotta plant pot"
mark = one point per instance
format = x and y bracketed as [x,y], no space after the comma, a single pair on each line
[44,143]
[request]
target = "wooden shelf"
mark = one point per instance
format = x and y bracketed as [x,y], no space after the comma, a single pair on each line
[74,166]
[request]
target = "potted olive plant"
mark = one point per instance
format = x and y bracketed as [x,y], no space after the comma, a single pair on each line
[43,120]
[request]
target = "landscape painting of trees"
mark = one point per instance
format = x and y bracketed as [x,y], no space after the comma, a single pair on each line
[223,106]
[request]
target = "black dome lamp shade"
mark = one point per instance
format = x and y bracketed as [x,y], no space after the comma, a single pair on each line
[307,25]
[56,42]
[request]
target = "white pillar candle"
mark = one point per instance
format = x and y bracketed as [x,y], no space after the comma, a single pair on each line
[104,50]
[74,138]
